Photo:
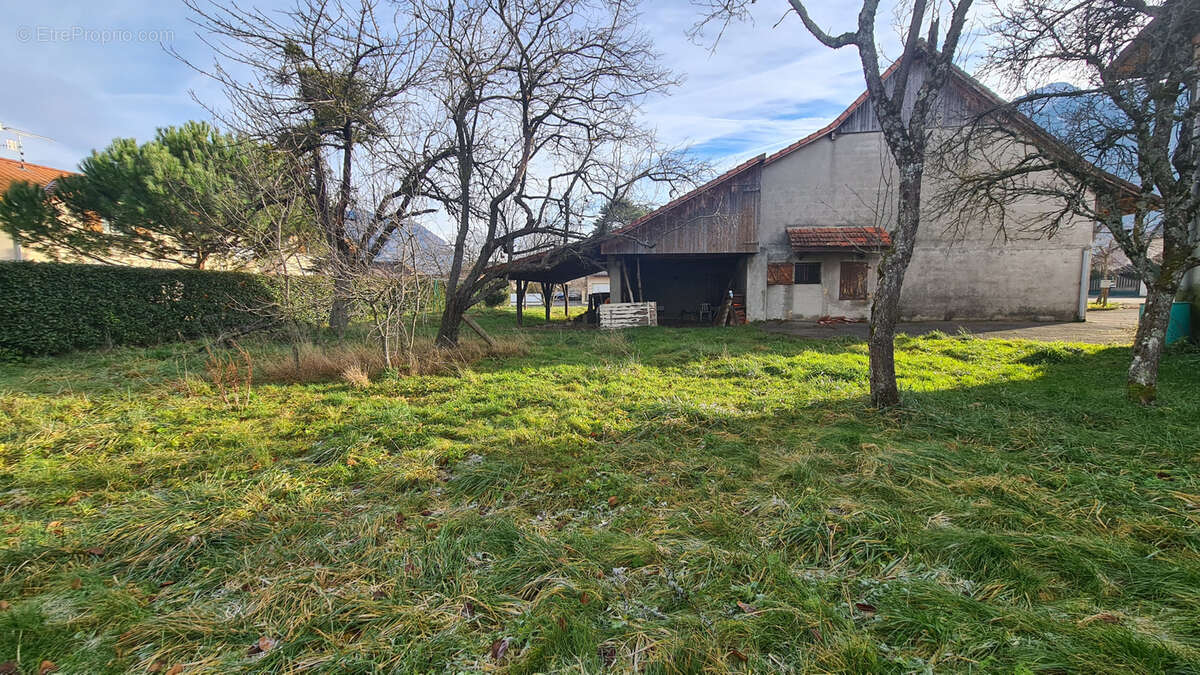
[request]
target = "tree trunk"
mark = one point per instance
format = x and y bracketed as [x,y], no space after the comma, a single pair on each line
[451,321]
[885,307]
[547,298]
[1148,343]
[339,310]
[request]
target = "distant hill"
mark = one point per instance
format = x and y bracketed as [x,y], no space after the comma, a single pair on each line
[1080,121]
[429,255]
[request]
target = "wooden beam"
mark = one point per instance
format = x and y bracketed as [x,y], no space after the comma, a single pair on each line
[479,331]
[521,286]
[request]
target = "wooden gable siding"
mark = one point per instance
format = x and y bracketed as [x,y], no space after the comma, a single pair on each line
[956,106]
[721,219]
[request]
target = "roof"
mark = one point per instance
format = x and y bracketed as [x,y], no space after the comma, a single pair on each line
[804,239]
[1134,53]
[12,171]
[989,97]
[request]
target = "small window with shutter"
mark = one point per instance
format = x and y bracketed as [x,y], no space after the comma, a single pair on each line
[853,284]
[779,274]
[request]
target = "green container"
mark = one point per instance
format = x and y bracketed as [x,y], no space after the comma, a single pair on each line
[1180,327]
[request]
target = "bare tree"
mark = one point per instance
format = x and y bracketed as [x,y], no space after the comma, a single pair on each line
[1135,116]
[539,95]
[337,84]
[925,64]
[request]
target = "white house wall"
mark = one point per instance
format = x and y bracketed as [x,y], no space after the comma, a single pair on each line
[956,273]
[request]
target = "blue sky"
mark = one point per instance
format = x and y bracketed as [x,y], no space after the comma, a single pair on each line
[761,89]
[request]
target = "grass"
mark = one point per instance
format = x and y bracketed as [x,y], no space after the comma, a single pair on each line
[657,500]
[1096,306]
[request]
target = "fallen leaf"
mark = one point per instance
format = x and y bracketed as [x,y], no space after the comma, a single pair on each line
[166,583]
[865,607]
[468,609]
[264,645]
[749,609]
[737,654]
[411,569]
[95,550]
[431,526]
[816,633]
[8,668]
[612,501]
[156,667]
[54,524]
[400,518]
[1104,617]
[585,598]
[4,605]
[47,667]
[175,669]
[500,648]
[74,499]
[77,583]
[607,654]
[1163,475]
[427,513]
[562,623]
[379,595]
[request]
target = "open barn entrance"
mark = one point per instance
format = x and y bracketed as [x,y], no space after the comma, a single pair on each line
[689,289]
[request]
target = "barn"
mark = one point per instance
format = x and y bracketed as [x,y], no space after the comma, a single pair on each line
[798,234]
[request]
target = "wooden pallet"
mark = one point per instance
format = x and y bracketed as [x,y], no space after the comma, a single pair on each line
[628,314]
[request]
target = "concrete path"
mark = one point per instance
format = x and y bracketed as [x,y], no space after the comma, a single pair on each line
[1115,326]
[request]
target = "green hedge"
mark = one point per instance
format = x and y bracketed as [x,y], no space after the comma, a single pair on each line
[50,308]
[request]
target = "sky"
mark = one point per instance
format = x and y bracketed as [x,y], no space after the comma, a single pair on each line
[82,72]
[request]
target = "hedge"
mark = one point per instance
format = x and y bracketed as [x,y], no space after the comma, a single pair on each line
[50,308]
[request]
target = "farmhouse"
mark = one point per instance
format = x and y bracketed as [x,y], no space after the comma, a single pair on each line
[798,234]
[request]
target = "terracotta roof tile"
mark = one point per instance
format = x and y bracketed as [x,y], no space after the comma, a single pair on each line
[12,171]
[838,238]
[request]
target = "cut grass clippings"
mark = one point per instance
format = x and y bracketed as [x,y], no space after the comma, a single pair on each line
[655,500]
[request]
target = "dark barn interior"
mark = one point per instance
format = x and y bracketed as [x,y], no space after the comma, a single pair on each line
[688,289]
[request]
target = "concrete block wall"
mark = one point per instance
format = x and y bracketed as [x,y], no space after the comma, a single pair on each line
[969,272]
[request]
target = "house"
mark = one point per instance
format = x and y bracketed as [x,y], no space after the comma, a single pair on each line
[799,233]
[12,171]
[1131,62]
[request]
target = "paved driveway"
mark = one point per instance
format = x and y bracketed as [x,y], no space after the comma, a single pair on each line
[1115,326]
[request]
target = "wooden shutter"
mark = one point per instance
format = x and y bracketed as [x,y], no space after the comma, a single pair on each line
[779,274]
[853,283]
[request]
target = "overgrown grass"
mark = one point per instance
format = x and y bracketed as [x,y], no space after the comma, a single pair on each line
[657,500]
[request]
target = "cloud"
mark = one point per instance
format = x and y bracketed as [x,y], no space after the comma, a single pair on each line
[759,89]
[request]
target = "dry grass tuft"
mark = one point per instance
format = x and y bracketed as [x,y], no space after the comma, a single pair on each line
[309,363]
[357,363]
[355,376]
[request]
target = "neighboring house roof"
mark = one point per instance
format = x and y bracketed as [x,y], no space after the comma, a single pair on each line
[817,239]
[1138,49]
[12,171]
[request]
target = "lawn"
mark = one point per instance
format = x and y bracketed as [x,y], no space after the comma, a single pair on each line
[657,500]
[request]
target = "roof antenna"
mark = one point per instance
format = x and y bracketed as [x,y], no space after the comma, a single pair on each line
[16,145]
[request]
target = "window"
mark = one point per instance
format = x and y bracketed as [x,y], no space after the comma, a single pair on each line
[779,274]
[853,284]
[807,273]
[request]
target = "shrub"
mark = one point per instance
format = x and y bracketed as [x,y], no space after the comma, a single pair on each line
[50,308]
[496,296]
